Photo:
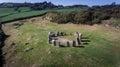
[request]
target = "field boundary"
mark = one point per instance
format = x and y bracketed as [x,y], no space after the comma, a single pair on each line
[22,18]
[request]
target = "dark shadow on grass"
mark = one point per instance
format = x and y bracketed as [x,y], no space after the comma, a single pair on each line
[85,43]
[62,46]
[79,46]
[85,40]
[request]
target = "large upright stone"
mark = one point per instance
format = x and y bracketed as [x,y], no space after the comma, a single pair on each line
[52,34]
[73,43]
[68,44]
[60,33]
[58,43]
[54,42]
[49,39]
[57,33]
[80,36]
[76,34]
[78,41]
[64,34]
[49,33]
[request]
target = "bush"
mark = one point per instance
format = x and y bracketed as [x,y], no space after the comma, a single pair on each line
[83,17]
[90,16]
[96,21]
[59,18]
[114,22]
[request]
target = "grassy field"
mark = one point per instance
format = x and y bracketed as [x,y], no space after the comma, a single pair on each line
[7,11]
[12,14]
[102,51]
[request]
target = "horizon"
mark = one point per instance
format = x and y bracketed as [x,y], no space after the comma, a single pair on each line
[67,2]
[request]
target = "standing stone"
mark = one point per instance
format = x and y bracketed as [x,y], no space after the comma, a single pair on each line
[78,41]
[77,38]
[68,44]
[64,34]
[52,34]
[49,39]
[58,44]
[80,37]
[76,34]
[61,33]
[73,43]
[49,33]
[58,33]
[54,42]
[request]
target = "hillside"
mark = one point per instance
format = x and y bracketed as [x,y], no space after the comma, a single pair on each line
[103,50]
[10,14]
[17,11]
[47,35]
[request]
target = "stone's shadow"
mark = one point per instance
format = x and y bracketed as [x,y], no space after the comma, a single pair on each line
[63,46]
[79,46]
[85,40]
[85,43]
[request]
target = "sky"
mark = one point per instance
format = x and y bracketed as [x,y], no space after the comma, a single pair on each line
[67,2]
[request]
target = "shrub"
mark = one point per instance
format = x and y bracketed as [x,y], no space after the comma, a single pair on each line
[96,21]
[83,17]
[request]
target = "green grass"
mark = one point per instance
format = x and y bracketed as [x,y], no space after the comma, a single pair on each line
[102,51]
[23,9]
[7,11]
[68,9]
[23,14]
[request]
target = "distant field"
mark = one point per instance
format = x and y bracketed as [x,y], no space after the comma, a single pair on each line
[12,14]
[102,51]
[6,11]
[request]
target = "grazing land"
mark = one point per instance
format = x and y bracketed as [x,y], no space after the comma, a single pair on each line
[7,11]
[27,37]
[8,14]
[103,49]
